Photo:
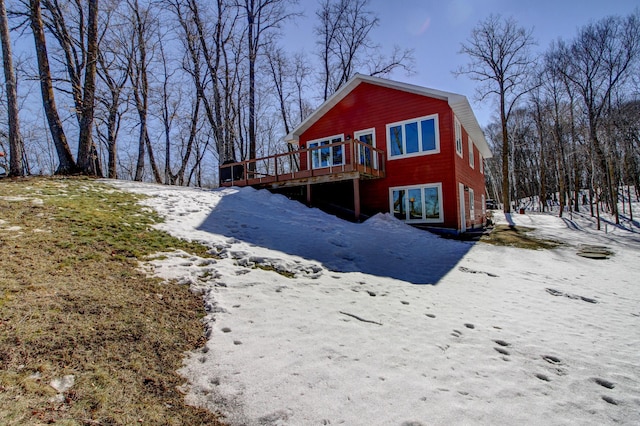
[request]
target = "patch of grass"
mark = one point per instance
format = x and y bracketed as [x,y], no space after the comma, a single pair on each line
[517,236]
[74,303]
[267,267]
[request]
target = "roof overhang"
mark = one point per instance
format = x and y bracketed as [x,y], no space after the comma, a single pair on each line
[458,103]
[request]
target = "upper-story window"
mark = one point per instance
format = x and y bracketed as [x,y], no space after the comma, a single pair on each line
[481,162]
[458,133]
[326,157]
[471,159]
[418,136]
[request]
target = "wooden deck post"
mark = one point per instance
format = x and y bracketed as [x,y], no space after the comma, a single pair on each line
[356,198]
[308,194]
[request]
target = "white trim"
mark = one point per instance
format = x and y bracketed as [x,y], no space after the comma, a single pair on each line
[472,160]
[330,140]
[437,185]
[463,211]
[472,206]
[418,121]
[371,131]
[457,131]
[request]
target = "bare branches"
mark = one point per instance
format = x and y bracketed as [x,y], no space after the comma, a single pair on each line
[500,58]
[345,44]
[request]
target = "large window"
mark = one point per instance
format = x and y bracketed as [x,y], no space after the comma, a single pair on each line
[458,133]
[366,156]
[472,204]
[326,157]
[471,158]
[422,203]
[413,137]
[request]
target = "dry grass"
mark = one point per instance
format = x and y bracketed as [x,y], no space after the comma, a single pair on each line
[72,302]
[517,236]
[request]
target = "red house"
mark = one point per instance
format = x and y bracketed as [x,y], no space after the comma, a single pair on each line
[378,145]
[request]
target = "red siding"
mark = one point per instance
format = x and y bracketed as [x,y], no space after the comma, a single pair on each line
[372,106]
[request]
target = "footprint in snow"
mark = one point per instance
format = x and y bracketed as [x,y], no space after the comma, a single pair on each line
[604,383]
[501,350]
[543,377]
[552,359]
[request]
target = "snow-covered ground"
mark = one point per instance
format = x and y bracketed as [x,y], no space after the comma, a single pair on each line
[381,324]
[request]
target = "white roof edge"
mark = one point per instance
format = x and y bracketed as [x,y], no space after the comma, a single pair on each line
[458,103]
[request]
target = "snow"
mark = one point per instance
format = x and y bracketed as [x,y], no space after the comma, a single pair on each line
[351,335]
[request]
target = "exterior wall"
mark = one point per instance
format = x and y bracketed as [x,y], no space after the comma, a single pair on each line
[472,178]
[371,106]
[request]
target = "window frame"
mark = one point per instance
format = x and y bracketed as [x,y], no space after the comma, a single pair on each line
[481,162]
[472,202]
[418,121]
[371,131]
[472,162]
[422,187]
[330,140]
[458,136]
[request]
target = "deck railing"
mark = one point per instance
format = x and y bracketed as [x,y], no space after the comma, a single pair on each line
[351,156]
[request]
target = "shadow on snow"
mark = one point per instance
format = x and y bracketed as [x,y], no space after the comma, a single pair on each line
[381,246]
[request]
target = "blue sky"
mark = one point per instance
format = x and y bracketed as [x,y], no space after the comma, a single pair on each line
[435,30]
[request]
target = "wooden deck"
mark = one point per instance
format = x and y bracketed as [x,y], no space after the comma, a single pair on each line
[347,160]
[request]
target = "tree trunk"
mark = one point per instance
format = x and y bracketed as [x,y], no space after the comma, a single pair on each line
[16,144]
[505,156]
[88,161]
[67,165]
[253,47]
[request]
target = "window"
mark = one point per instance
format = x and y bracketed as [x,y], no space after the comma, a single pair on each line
[484,207]
[458,133]
[472,210]
[326,157]
[481,163]
[409,138]
[366,156]
[417,203]
[471,159]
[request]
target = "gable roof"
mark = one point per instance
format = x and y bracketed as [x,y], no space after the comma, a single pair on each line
[458,103]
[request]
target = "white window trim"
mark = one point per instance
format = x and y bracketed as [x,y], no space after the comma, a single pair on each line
[472,162]
[484,206]
[481,160]
[437,185]
[372,131]
[458,136]
[472,202]
[436,127]
[328,138]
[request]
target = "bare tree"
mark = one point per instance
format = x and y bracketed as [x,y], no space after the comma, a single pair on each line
[113,72]
[76,32]
[263,17]
[16,144]
[346,46]
[88,160]
[66,164]
[500,58]
[597,62]
[142,23]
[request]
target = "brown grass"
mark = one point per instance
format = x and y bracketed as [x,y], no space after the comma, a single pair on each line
[72,302]
[517,236]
